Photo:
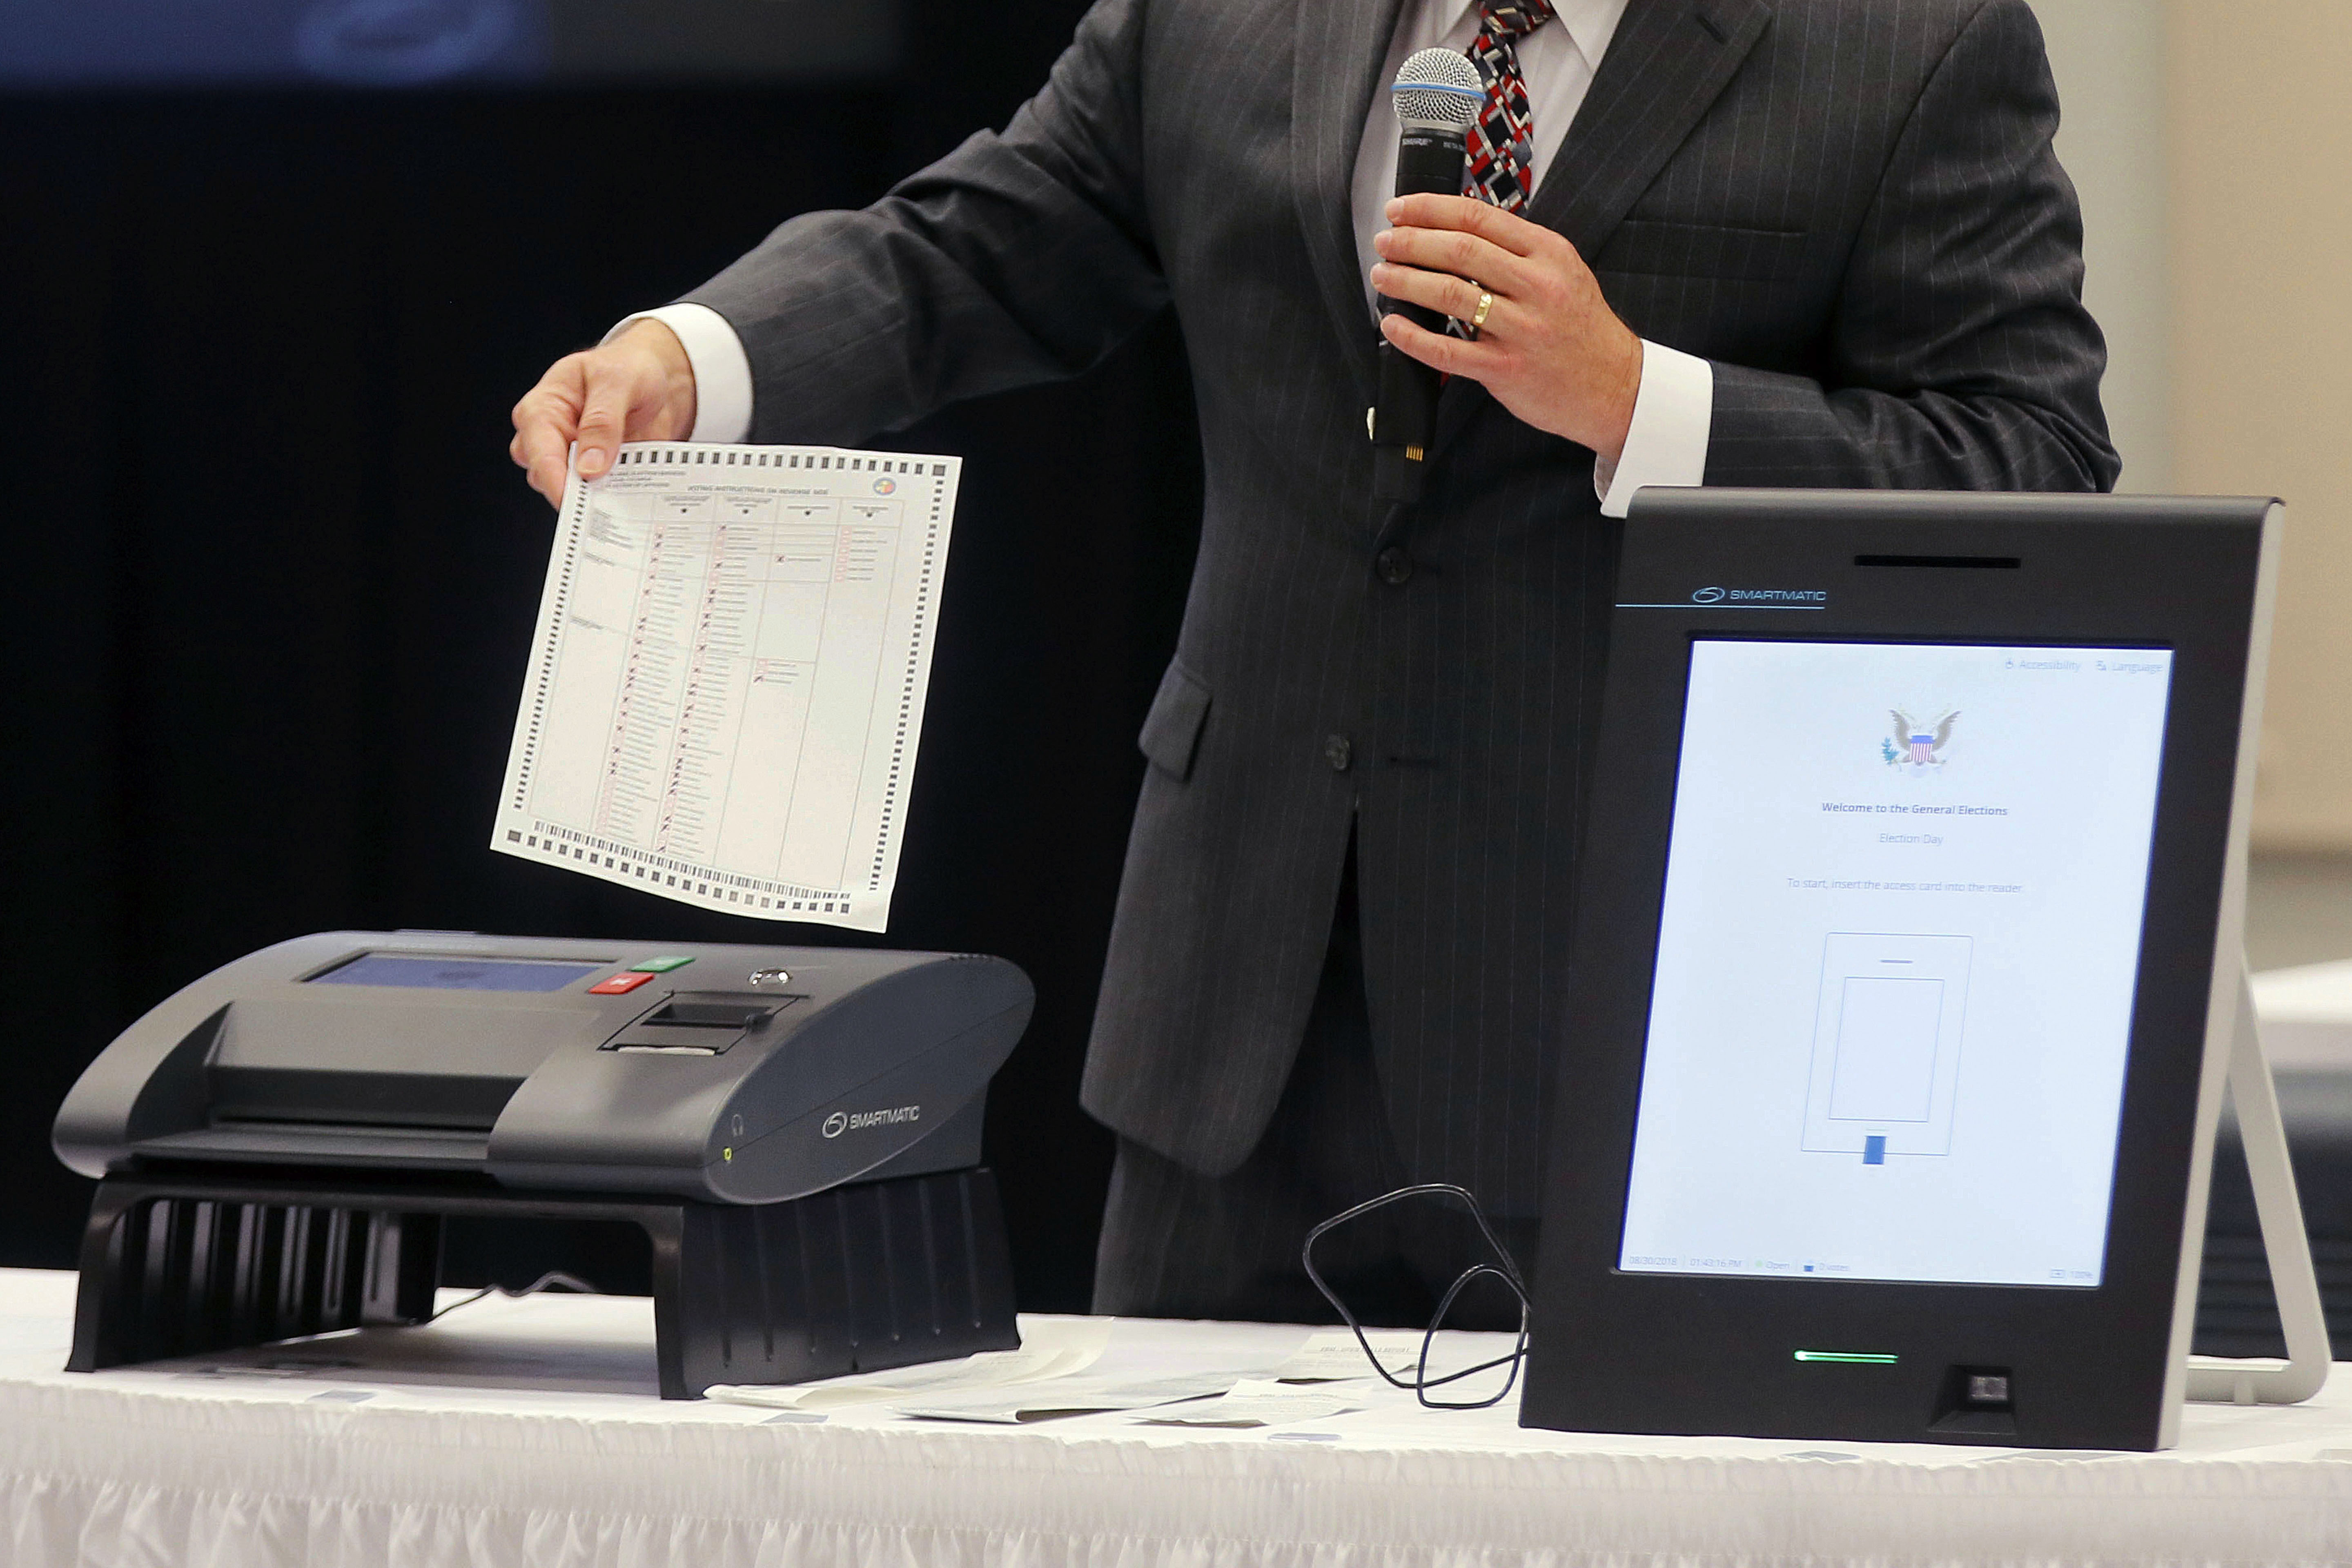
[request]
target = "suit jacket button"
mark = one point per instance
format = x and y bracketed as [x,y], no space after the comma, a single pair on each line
[1337,753]
[1394,566]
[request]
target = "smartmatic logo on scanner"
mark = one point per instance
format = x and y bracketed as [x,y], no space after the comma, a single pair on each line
[842,1121]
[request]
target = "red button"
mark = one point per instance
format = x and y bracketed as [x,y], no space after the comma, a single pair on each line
[617,984]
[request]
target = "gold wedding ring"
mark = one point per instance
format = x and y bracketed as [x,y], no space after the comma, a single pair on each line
[1478,318]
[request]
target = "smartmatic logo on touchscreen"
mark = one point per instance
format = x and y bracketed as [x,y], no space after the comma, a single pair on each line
[1783,598]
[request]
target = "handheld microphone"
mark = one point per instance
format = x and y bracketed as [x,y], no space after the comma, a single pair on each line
[1437,95]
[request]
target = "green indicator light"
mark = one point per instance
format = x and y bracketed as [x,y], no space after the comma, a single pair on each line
[1848,1358]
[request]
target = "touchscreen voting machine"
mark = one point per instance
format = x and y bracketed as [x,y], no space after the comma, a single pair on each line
[1907,967]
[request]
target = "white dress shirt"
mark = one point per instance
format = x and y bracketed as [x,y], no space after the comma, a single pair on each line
[1673,412]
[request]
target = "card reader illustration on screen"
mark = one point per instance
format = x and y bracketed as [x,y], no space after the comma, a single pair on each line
[1886,1046]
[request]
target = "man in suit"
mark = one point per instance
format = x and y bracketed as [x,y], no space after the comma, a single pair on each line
[1782,242]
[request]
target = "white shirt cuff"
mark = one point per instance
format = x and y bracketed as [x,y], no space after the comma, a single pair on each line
[1674,413]
[722,372]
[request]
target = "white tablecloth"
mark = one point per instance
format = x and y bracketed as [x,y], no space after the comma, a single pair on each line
[528,1431]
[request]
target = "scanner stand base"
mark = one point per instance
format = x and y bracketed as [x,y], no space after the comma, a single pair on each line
[872,1275]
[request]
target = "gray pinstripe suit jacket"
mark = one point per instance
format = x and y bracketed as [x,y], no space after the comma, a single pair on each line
[1849,207]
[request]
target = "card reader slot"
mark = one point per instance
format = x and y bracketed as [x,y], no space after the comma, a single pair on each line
[1945,562]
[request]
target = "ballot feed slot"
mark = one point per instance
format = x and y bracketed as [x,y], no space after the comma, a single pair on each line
[245,1096]
[700,1024]
[304,1057]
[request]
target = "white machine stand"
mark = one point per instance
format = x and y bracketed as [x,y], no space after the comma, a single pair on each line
[2262,1132]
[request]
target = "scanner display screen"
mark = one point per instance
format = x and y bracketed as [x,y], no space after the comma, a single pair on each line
[1896,963]
[456,972]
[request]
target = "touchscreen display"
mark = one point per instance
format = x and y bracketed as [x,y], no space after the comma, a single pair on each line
[1895,962]
[420,972]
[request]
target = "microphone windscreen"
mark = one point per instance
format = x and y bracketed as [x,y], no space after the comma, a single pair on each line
[1438,87]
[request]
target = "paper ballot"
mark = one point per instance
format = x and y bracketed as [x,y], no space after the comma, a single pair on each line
[726,688]
[1251,1402]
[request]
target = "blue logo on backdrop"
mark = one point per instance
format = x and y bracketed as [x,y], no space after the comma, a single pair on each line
[399,42]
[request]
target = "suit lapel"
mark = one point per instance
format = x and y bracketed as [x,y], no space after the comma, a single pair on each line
[1340,46]
[1667,64]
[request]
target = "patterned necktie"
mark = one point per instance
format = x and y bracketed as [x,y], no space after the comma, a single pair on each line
[1499,167]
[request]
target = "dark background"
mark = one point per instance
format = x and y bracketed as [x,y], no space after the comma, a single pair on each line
[412,43]
[271,577]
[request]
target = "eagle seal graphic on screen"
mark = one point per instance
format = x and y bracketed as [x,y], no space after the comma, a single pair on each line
[1921,745]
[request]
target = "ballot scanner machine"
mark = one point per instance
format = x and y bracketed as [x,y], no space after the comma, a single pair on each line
[795,1129]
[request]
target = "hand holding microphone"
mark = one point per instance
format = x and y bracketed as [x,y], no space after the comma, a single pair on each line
[1549,348]
[1546,346]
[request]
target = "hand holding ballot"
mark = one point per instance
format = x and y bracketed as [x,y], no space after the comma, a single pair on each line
[638,385]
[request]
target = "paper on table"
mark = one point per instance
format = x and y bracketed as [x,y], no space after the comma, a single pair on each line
[727,683]
[1046,1401]
[1050,1347]
[1253,1402]
[1334,1356]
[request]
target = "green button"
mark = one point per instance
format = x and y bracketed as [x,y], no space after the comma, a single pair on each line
[661,965]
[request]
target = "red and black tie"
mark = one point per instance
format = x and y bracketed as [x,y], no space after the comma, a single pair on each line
[1500,167]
